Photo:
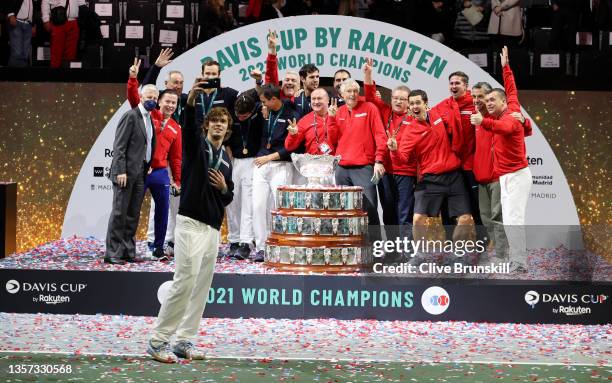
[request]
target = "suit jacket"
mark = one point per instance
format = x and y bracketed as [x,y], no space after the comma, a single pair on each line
[130,146]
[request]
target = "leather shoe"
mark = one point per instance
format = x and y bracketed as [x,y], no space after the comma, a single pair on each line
[114,261]
[130,259]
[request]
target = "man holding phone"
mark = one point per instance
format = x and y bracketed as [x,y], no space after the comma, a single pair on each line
[213,95]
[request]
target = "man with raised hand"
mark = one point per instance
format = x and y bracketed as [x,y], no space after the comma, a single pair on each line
[273,167]
[427,141]
[317,130]
[207,189]
[509,161]
[396,189]
[362,145]
[291,81]
[213,94]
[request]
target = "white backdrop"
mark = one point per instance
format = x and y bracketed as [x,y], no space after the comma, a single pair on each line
[330,42]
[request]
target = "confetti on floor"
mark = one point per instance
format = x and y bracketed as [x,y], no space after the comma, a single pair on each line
[328,339]
[87,254]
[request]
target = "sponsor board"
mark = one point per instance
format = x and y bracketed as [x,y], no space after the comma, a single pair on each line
[568,304]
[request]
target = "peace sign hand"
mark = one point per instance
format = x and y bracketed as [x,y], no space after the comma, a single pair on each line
[134,68]
[292,127]
[368,65]
[333,107]
[272,41]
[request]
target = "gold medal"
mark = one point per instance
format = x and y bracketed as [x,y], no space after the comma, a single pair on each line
[268,146]
[245,151]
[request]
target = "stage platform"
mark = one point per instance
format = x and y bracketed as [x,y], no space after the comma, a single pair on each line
[69,277]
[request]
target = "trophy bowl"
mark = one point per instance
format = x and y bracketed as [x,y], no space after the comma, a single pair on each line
[316,168]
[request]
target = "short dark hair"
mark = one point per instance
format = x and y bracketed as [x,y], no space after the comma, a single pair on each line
[211,63]
[464,77]
[418,92]
[215,114]
[165,92]
[269,91]
[485,86]
[342,70]
[500,92]
[245,102]
[308,69]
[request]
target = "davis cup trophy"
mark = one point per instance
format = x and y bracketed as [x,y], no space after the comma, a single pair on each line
[318,227]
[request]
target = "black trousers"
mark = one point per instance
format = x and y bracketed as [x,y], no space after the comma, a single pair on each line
[123,220]
[361,176]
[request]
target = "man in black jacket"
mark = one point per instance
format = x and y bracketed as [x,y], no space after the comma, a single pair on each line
[207,189]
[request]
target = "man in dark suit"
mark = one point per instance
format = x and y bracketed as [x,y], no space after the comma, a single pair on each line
[132,152]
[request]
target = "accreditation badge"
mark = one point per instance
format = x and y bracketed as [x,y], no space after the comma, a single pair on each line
[324,148]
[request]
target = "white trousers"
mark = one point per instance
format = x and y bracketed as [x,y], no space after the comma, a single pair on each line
[266,179]
[514,188]
[240,211]
[174,206]
[195,252]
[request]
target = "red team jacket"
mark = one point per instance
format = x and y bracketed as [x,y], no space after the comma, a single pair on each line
[405,168]
[306,133]
[361,135]
[428,143]
[508,136]
[462,131]
[168,146]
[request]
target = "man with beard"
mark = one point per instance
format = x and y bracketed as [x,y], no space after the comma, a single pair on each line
[362,145]
[309,75]
[396,189]
[207,189]
[212,97]
[339,77]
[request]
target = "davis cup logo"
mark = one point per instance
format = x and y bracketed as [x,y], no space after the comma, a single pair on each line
[12,286]
[532,298]
[435,300]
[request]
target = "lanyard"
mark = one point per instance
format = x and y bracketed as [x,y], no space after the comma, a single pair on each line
[210,103]
[178,111]
[242,136]
[164,125]
[210,156]
[272,126]
[398,127]
[324,127]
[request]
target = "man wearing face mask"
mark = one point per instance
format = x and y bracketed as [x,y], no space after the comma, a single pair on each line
[168,151]
[396,189]
[133,149]
[243,146]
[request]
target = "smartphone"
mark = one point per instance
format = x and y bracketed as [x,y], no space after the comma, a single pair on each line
[211,83]
[375,179]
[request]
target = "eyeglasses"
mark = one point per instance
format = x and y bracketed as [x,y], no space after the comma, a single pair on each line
[402,99]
